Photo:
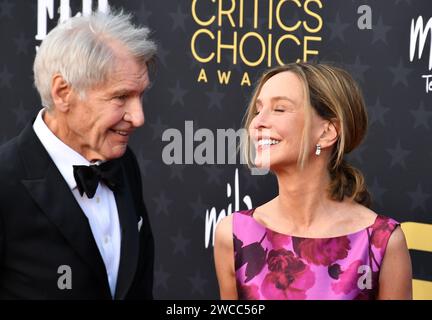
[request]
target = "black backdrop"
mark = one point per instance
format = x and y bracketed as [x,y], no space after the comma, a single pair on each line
[395,157]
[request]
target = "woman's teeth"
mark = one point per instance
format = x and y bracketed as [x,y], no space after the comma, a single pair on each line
[266,142]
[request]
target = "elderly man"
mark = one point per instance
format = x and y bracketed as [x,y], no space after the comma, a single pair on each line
[73,224]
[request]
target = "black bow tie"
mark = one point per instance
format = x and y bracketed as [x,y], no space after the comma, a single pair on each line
[88,177]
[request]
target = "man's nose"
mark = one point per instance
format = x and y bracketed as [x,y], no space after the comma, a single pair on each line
[135,113]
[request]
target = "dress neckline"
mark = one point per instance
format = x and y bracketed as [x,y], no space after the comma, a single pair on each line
[251,212]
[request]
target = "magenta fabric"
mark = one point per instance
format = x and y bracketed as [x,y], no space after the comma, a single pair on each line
[271,265]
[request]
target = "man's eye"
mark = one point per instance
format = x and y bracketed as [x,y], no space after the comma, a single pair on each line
[121,98]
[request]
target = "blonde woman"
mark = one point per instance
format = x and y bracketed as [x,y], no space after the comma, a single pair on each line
[317,239]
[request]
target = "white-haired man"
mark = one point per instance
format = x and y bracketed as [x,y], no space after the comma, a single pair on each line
[73,224]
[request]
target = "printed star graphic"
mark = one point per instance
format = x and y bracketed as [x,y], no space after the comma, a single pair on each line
[161,278]
[407,1]
[162,203]
[198,283]
[357,154]
[177,171]
[143,163]
[213,174]
[198,208]
[22,43]
[193,62]
[215,98]
[418,198]
[144,14]
[421,116]
[400,74]
[398,155]
[158,128]
[177,94]
[380,31]
[22,115]
[337,28]
[180,243]
[6,9]
[377,112]
[5,78]
[358,69]
[179,18]
[162,55]
[377,192]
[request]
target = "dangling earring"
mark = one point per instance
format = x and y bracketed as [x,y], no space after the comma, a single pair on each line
[318,149]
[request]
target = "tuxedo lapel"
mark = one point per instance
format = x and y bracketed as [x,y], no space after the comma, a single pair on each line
[130,237]
[52,194]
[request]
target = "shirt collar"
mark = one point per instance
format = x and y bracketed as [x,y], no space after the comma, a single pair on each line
[63,156]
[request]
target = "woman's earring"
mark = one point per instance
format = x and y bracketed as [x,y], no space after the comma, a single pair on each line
[318,149]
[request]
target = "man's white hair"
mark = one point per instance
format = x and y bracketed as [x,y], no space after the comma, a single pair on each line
[80,51]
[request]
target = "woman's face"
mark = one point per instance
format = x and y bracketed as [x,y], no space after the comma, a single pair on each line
[277,128]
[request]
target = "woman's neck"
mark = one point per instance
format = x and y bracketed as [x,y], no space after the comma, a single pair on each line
[303,196]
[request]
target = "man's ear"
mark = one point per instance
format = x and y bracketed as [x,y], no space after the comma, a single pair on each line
[330,133]
[61,92]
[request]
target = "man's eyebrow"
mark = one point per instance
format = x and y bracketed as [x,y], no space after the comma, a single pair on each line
[120,92]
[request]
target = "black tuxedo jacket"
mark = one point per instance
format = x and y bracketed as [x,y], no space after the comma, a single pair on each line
[42,227]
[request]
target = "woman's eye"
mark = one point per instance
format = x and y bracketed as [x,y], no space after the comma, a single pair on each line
[279,110]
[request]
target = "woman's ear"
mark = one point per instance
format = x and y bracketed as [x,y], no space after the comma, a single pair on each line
[330,134]
[60,92]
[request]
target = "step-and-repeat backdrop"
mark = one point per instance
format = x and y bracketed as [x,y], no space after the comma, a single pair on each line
[211,53]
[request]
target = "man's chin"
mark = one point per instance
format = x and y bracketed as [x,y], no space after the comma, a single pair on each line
[117,152]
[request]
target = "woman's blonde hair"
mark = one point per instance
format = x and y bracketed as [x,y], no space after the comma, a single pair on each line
[336,97]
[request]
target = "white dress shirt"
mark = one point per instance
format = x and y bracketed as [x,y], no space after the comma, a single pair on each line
[101,210]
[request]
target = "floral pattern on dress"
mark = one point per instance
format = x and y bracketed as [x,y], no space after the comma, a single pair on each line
[322,251]
[272,265]
[289,276]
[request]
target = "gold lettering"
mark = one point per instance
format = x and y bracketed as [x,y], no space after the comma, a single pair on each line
[245,80]
[270,15]
[278,43]
[313,14]
[228,13]
[198,20]
[202,76]
[306,51]
[278,17]
[263,49]
[194,53]
[241,13]
[255,23]
[221,46]
[224,77]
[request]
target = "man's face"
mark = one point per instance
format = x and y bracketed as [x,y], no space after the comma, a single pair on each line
[99,125]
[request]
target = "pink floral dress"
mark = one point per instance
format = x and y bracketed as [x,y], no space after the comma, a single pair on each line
[271,265]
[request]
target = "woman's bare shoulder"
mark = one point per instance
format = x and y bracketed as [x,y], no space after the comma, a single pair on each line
[224,231]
